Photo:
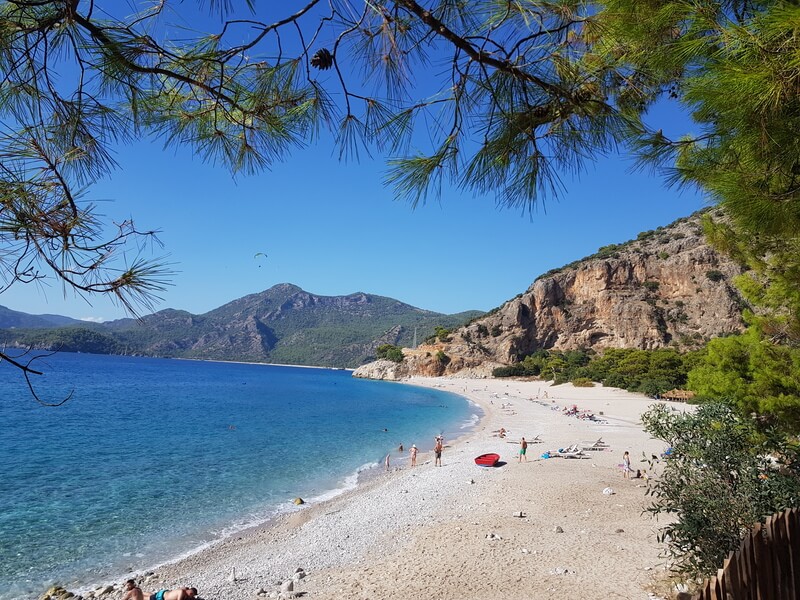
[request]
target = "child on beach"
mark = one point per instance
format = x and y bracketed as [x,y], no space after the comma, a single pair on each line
[626,465]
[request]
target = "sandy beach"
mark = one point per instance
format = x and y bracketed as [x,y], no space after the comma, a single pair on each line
[538,529]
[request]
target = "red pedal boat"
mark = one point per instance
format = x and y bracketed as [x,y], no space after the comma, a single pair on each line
[487,460]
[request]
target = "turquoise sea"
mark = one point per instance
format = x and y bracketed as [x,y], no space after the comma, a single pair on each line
[154,458]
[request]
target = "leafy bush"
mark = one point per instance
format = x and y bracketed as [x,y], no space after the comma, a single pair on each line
[517,370]
[582,382]
[651,286]
[442,358]
[496,330]
[442,333]
[390,352]
[761,377]
[725,473]
[663,255]
[715,275]
[483,331]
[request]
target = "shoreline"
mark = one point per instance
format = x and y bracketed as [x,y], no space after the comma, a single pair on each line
[412,533]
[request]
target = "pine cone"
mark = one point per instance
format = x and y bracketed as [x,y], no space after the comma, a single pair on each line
[322,59]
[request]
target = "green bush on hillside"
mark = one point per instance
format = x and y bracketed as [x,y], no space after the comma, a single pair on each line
[390,352]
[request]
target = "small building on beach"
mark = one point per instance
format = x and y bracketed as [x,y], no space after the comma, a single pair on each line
[679,395]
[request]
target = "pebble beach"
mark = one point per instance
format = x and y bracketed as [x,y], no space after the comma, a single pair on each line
[542,528]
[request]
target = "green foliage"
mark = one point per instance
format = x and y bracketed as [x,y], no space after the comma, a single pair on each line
[724,473]
[663,255]
[772,281]
[442,358]
[650,372]
[389,352]
[69,339]
[715,275]
[442,334]
[610,251]
[496,330]
[651,286]
[758,377]
[647,371]
[516,370]
[582,382]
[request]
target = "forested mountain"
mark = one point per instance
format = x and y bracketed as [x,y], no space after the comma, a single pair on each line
[10,319]
[283,324]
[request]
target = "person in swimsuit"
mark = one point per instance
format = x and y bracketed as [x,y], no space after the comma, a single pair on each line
[523,449]
[132,591]
[626,465]
[437,452]
[183,593]
[413,453]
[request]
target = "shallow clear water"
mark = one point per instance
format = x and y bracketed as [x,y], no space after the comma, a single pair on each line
[153,458]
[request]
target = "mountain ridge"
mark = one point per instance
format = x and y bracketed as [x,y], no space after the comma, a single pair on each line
[283,324]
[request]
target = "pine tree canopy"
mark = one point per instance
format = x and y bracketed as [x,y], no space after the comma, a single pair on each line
[511,96]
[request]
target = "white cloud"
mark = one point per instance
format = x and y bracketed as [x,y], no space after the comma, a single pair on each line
[93,319]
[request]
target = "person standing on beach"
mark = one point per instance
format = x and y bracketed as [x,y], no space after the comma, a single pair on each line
[437,452]
[523,449]
[413,452]
[626,465]
[132,591]
[386,462]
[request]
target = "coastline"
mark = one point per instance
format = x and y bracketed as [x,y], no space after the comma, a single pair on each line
[453,532]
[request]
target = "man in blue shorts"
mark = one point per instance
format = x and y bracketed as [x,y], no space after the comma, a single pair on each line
[181,594]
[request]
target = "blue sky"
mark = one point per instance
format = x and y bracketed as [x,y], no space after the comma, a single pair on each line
[335,229]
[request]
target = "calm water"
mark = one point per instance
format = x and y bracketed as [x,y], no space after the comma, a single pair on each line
[154,458]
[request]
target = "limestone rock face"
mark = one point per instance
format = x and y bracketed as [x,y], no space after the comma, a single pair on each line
[668,287]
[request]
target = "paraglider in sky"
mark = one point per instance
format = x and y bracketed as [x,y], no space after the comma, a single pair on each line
[257,254]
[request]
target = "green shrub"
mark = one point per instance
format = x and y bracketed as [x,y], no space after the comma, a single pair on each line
[516,370]
[442,333]
[651,286]
[390,352]
[663,255]
[496,330]
[725,473]
[715,275]
[582,382]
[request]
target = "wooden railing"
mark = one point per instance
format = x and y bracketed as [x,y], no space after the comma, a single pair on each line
[765,567]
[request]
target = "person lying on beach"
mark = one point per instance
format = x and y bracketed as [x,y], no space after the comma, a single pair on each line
[183,593]
[132,591]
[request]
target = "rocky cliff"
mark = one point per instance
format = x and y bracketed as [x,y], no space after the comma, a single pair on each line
[667,287]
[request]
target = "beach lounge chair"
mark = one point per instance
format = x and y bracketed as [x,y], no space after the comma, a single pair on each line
[573,451]
[596,445]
